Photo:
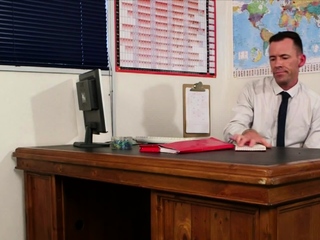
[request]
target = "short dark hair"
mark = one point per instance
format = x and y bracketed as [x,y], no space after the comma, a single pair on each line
[288,34]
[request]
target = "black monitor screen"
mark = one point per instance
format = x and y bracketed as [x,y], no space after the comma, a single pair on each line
[90,100]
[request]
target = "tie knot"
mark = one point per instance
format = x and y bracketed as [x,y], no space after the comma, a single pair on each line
[285,95]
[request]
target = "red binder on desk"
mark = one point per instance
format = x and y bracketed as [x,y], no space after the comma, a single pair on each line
[192,146]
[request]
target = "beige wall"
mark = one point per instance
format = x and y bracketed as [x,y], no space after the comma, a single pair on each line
[41,109]
[36,109]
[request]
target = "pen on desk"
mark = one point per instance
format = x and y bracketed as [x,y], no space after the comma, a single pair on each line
[232,141]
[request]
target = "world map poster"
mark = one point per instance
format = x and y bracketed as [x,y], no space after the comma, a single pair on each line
[255,21]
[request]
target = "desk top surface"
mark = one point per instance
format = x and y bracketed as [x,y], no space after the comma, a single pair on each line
[273,156]
[276,165]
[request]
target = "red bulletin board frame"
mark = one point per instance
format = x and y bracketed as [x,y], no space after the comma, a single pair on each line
[141,35]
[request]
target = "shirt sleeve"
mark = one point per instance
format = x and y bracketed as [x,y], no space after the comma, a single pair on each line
[242,113]
[313,138]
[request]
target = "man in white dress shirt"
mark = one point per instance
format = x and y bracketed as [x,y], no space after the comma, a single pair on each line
[256,112]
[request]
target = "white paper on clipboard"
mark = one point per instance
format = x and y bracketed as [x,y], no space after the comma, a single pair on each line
[197,111]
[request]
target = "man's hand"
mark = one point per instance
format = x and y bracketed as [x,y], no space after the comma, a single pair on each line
[250,137]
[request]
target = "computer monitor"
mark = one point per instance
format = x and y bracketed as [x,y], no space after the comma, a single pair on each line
[90,100]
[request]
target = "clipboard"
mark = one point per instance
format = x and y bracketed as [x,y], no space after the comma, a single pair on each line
[196,110]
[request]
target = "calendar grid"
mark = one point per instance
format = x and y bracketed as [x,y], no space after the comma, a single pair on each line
[166,37]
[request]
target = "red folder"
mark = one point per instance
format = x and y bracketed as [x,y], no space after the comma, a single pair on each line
[190,146]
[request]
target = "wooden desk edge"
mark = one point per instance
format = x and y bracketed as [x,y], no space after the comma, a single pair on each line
[224,182]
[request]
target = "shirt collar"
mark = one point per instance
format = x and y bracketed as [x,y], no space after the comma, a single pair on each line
[292,91]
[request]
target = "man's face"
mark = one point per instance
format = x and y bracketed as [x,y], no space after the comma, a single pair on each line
[285,61]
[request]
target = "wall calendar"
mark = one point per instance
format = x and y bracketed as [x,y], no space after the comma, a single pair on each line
[166,37]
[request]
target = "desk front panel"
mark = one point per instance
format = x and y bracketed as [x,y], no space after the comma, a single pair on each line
[177,216]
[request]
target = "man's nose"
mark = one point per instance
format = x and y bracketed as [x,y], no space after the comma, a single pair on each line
[278,62]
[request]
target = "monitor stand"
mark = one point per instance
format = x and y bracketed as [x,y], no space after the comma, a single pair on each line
[88,141]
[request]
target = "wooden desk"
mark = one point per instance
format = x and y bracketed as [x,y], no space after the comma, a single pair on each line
[98,194]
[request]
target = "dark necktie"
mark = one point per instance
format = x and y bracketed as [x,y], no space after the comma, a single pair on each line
[282,119]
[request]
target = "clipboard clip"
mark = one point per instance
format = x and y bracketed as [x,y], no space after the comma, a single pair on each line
[198,87]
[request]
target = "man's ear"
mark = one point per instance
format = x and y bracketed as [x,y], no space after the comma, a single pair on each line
[302,60]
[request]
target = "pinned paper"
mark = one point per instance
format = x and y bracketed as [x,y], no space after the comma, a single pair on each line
[196,110]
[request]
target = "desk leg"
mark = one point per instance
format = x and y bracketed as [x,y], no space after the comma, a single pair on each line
[43,207]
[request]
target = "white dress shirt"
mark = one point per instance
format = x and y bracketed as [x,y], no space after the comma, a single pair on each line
[258,106]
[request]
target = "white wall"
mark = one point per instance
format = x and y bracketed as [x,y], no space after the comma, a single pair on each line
[155,101]
[36,109]
[41,109]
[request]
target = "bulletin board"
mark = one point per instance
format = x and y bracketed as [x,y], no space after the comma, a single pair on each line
[196,110]
[166,37]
